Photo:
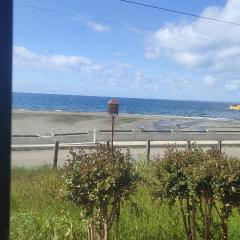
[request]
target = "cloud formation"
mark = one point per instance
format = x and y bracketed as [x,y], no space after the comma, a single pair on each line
[115,77]
[92,24]
[97,27]
[210,81]
[23,57]
[208,47]
[119,77]
[113,72]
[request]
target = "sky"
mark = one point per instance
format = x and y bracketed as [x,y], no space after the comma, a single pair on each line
[113,48]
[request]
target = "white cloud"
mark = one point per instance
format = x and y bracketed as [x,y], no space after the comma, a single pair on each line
[191,59]
[97,27]
[92,24]
[115,76]
[232,87]
[209,47]
[206,49]
[210,81]
[113,72]
[23,57]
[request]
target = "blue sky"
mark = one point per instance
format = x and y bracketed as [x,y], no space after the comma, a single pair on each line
[110,48]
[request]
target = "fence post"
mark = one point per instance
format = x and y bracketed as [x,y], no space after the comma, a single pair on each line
[148,145]
[108,144]
[55,158]
[220,146]
[188,144]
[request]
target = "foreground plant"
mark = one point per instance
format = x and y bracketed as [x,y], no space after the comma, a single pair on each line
[204,184]
[99,181]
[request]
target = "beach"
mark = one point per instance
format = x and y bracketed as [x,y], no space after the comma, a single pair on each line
[42,122]
[45,124]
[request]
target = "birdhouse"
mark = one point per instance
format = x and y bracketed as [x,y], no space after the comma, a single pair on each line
[113,107]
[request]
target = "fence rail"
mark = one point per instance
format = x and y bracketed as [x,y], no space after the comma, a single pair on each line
[139,135]
[147,145]
[126,138]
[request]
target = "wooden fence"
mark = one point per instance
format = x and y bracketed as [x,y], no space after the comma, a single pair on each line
[126,139]
[128,135]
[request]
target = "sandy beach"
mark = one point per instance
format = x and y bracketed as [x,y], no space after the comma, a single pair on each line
[30,122]
[46,123]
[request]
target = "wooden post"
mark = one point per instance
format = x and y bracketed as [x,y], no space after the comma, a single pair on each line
[55,158]
[148,145]
[220,146]
[112,131]
[188,144]
[108,143]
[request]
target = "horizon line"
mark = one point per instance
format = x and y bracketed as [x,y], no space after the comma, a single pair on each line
[141,98]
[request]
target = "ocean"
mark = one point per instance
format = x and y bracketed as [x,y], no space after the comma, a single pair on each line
[55,102]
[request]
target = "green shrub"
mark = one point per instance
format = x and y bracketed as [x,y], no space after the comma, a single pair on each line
[206,185]
[98,181]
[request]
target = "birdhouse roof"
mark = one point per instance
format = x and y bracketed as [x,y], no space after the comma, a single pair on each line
[113,101]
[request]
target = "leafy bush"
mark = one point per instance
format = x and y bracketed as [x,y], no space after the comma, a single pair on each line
[98,181]
[206,185]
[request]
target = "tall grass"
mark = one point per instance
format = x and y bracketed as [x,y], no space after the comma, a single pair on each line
[38,212]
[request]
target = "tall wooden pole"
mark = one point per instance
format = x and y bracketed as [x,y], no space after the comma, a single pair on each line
[148,150]
[112,131]
[220,146]
[6,9]
[55,157]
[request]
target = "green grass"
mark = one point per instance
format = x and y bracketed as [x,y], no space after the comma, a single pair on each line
[37,212]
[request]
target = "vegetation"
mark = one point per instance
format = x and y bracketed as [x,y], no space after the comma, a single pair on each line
[206,185]
[39,210]
[98,182]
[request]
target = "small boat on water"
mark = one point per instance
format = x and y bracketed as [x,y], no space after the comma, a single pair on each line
[235,107]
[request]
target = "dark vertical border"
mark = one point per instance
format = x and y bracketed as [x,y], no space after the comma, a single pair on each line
[6,16]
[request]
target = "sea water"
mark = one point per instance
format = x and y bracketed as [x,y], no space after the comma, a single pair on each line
[55,102]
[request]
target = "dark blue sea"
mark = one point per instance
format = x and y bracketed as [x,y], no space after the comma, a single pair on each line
[35,101]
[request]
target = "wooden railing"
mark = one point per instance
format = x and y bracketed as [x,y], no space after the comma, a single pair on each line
[130,139]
